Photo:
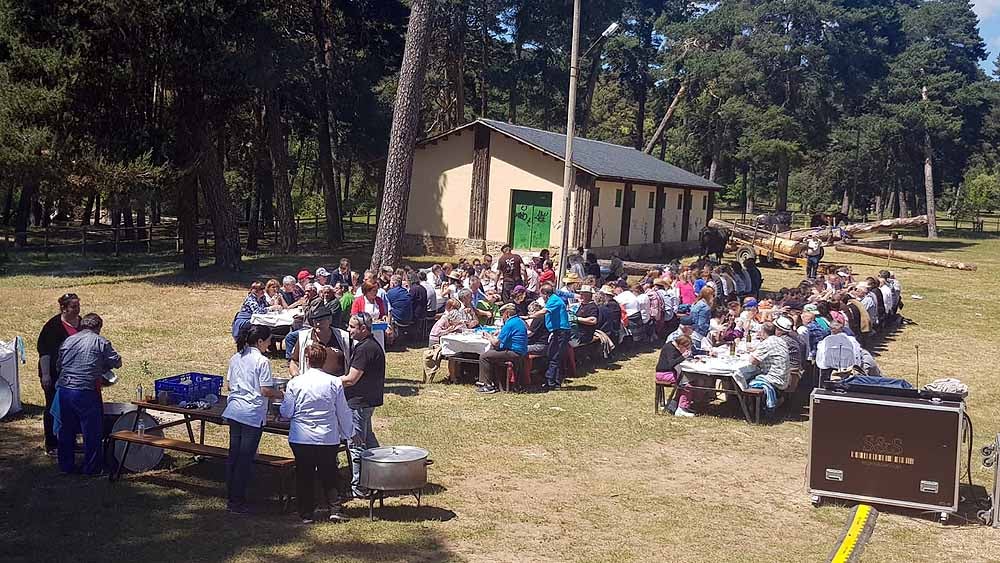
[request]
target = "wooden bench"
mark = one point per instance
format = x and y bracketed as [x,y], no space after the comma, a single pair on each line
[755,395]
[285,465]
[197,449]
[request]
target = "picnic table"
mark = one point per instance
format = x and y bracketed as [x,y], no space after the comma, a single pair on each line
[734,373]
[275,319]
[212,415]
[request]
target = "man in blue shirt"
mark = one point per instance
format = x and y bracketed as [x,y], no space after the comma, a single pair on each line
[510,345]
[400,302]
[85,363]
[557,322]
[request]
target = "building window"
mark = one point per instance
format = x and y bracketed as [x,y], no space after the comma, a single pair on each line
[680,201]
[652,199]
[595,197]
[618,198]
[704,202]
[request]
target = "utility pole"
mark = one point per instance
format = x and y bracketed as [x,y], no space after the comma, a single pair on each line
[569,175]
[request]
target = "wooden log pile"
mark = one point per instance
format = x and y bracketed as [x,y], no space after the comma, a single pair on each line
[853,229]
[906,257]
[742,234]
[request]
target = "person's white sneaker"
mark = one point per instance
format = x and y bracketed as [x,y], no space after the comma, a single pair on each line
[682,412]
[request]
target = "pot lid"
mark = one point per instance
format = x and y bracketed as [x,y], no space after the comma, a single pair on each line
[389,454]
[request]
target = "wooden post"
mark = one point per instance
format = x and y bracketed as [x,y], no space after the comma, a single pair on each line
[204,234]
[117,235]
[177,239]
[149,238]
[83,245]
[46,242]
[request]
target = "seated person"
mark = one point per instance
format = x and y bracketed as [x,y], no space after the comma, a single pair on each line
[672,354]
[609,314]
[586,318]
[510,344]
[519,295]
[770,360]
[291,293]
[487,309]
[451,321]
[275,302]
[538,334]
[400,303]
[468,310]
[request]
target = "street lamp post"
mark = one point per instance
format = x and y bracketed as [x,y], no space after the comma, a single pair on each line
[569,173]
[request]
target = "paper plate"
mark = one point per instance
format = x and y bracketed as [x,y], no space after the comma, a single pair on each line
[6,398]
[140,457]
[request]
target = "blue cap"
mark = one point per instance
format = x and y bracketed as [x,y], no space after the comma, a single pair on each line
[750,303]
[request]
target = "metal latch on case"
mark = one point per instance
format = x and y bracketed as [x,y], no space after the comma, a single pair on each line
[928,486]
[835,475]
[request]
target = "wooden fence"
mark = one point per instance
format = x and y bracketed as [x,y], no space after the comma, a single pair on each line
[165,236]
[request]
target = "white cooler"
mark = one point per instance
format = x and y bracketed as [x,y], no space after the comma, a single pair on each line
[11,356]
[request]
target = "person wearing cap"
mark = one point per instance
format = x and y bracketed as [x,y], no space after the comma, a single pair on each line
[609,314]
[304,277]
[784,328]
[557,323]
[364,387]
[814,253]
[322,276]
[770,358]
[571,282]
[586,318]
[686,328]
[811,330]
[509,345]
[321,332]
[519,297]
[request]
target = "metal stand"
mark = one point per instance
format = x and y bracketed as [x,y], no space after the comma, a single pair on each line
[991,456]
[380,496]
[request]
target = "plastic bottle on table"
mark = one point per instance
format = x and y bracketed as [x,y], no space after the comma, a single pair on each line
[142,428]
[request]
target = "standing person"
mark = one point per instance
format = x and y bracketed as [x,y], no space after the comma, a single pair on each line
[364,386]
[430,291]
[250,387]
[756,278]
[418,298]
[55,331]
[814,253]
[85,361]
[509,266]
[510,345]
[319,420]
[557,323]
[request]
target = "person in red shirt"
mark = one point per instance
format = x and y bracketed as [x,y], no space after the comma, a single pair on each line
[54,333]
[547,275]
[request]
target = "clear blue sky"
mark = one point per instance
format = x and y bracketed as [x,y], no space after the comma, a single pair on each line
[989,27]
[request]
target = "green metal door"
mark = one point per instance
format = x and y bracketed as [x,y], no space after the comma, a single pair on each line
[531,219]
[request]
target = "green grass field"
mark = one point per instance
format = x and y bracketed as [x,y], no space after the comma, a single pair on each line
[586,474]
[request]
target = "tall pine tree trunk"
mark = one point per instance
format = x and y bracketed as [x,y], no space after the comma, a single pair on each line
[88,209]
[189,124]
[405,129]
[8,205]
[331,182]
[455,67]
[783,170]
[219,204]
[929,178]
[288,236]
[126,207]
[23,218]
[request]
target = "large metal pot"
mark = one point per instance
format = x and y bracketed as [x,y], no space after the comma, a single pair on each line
[394,468]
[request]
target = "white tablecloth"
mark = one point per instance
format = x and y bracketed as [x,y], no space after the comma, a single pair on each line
[736,368]
[464,342]
[276,318]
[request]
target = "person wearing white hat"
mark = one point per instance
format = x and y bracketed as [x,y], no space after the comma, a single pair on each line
[322,276]
[586,318]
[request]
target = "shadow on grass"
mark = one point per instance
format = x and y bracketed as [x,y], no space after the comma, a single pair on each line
[971,501]
[402,387]
[47,516]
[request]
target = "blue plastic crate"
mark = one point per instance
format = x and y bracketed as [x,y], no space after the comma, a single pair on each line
[189,386]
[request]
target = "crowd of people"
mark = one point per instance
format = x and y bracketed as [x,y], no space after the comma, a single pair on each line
[824,326]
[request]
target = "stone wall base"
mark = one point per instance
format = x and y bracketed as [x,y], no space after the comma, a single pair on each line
[657,253]
[429,245]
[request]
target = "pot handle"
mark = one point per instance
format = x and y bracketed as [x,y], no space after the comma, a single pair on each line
[428,462]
